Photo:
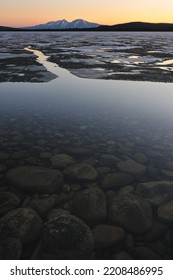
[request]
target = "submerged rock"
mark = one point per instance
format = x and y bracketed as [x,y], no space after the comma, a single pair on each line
[66,237]
[43,205]
[78,151]
[157,192]
[158,200]
[90,205]
[18,155]
[140,158]
[3,168]
[81,172]
[131,212]
[158,229]
[150,189]
[61,161]
[132,167]
[8,201]
[165,212]
[36,179]
[126,190]
[107,235]
[10,248]
[116,180]
[122,255]
[22,223]
[144,253]
[57,212]
[103,170]
[108,160]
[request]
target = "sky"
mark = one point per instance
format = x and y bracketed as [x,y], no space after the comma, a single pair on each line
[18,13]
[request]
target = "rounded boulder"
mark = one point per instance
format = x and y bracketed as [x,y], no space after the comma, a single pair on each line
[66,237]
[36,179]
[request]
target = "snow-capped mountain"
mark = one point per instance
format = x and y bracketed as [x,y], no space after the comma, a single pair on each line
[64,24]
[80,23]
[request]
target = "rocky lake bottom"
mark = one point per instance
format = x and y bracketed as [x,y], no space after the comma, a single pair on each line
[86,163]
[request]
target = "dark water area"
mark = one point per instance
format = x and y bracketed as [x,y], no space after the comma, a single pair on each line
[91,157]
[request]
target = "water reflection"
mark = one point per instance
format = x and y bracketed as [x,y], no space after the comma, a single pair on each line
[165,62]
[51,67]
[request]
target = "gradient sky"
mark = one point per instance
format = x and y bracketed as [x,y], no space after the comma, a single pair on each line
[31,12]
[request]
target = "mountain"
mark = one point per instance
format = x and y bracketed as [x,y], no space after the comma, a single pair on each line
[82,25]
[6,28]
[137,26]
[64,24]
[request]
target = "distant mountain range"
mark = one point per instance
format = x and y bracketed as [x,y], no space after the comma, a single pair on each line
[64,24]
[137,26]
[6,28]
[82,25]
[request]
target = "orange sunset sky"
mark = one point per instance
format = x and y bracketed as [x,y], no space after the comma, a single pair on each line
[20,13]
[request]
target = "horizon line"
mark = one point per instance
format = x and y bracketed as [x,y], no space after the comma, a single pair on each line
[135,21]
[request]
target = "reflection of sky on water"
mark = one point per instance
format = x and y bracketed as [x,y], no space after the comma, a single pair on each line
[72,94]
[165,62]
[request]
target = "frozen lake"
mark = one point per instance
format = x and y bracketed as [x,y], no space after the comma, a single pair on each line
[145,56]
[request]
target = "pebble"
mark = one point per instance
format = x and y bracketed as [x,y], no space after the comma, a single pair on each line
[42,206]
[10,248]
[165,212]
[18,155]
[122,255]
[81,172]
[3,168]
[155,188]
[107,235]
[144,253]
[108,160]
[8,201]
[61,161]
[132,167]
[56,212]
[116,180]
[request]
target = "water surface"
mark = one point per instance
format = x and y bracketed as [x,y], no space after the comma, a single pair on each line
[97,122]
